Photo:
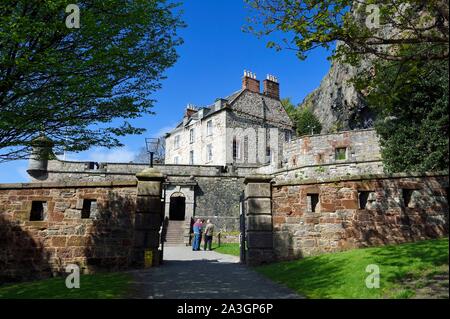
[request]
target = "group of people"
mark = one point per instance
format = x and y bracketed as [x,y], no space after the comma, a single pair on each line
[201,228]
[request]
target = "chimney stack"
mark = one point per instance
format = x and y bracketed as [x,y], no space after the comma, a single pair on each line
[190,110]
[250,82]
[271,87]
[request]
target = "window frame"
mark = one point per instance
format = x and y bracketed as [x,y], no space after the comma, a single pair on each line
[209,128]
[176,142]
[191,157]
[209,153]
[336,150]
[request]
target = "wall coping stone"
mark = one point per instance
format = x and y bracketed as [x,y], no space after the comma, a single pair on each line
[340,163]
[258,178]
[150,174]
[73,184]
[361,177]
[336,133]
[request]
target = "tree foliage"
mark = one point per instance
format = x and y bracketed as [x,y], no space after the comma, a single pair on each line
[305,121]
[308,24]
[411,99]
[71,84]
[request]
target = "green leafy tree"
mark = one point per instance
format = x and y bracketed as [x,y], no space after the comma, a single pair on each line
[306,122]
[289,106]
[80,86]
[304,119]
[361,27]
[401,49]
[411,99]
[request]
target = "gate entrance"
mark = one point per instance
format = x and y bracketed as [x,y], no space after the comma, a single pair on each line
[177,210]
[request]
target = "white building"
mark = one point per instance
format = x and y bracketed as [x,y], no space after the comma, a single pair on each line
[247,128]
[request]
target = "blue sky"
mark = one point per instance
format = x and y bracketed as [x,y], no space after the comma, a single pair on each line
[212,60]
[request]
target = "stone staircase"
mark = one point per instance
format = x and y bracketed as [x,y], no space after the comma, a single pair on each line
[175,233]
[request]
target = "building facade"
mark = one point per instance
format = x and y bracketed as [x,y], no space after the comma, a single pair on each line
[247,127]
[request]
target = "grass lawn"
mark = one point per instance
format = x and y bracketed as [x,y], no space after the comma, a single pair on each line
[404,269]
[97,286]
[226,248]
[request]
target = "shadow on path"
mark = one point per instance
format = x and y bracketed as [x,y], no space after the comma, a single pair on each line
[204,275]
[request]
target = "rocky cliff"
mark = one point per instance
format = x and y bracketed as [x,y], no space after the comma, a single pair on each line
[336,102]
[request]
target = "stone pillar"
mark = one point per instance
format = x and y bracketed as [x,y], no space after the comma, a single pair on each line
[149,217]
[258,212]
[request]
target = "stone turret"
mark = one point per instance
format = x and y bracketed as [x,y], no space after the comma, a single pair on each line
[40,154]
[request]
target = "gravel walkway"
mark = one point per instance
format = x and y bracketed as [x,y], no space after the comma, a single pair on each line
[188,274]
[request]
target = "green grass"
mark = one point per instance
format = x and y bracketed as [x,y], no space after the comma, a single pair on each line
[227,248]
[97,286]
[342,275]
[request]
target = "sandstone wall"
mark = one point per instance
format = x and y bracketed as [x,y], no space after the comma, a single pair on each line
[30,249]
[399,208]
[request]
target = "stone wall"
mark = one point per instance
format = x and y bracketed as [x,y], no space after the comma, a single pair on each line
[217,189]
[218,199]
[361,146]
[98,235]
[398,208]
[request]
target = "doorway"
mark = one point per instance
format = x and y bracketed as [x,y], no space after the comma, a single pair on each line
[177,209]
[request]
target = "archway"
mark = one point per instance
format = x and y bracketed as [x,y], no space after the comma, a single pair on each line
[177,210]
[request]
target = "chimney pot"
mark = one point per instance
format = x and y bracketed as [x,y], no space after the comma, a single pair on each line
[271,87]
[249,82]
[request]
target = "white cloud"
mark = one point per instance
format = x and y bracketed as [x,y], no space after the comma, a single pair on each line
[165,129]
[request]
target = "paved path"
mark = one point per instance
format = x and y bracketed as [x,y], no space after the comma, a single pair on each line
[188,274]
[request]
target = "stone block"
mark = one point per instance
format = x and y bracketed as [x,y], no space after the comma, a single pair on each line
[146,239]
[59,241]
[258,190]
[147,221]
[256,257]
[148,188]
[259,222]
[259,239]
[259,206]
[148,204]
[349,203]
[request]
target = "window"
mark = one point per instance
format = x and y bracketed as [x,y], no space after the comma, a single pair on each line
[191,135]
[176,142]
[191,157]
[312,201]
[407,194]
[209,128]
[246,149]
[89,209]
[287,136]
[363,196]
[268,155]
[340,153]
[38,210]
[209,153]
[175,160]
[236,149]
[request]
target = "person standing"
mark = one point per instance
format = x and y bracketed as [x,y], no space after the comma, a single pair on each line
[197,228]
[209,232]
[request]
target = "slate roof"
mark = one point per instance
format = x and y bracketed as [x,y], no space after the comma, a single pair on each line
[210,109]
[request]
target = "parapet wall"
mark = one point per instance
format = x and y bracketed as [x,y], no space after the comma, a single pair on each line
[356,212]
[39,248]
[360,145]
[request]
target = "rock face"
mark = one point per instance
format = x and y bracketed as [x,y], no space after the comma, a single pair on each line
[336,102]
